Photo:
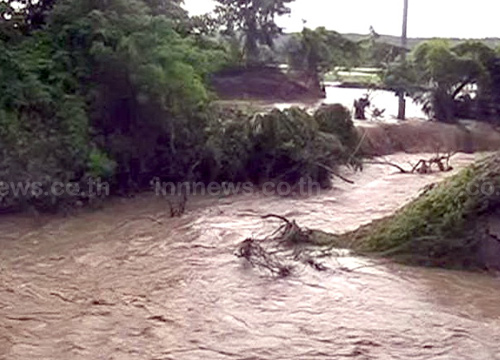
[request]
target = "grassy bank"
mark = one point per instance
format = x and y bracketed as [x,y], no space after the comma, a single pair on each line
[446,226]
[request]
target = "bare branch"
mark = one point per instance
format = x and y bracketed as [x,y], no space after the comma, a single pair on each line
[388,163]
[333,172]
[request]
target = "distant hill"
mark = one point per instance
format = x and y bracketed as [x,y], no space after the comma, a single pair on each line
[412,42]
[395,40]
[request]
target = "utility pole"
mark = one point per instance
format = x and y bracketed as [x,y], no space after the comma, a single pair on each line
[404,43]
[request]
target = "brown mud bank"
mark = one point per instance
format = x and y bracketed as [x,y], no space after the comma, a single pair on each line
[417,136]
[265,83]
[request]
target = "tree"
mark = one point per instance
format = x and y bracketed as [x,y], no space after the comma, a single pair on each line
[375,52]
[102,83]
[117,89]
[254,19]
[319,51]
[446,71]
[436,75]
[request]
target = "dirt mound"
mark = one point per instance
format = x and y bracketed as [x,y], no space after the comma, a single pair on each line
[264,83]
[414,136]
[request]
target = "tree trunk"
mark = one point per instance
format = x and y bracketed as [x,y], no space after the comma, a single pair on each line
[251,47]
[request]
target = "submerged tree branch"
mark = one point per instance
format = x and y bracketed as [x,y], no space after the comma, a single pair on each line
[334,173]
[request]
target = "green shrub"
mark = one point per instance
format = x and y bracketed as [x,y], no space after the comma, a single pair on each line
[117,90]
[336,119]
[288,146]
[276,146]
[100,165]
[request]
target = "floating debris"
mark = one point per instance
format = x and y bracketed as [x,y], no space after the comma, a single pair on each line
[277,252]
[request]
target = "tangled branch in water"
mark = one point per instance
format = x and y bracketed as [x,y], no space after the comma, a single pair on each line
[422,166]
[270,253]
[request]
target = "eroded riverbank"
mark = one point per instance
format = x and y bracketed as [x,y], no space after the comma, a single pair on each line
[129,283]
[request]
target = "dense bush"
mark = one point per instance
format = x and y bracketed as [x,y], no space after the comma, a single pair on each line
[116,90]
[284,145]
[450,82]
[287,145]
[104,90]
[44,126]
[337,119]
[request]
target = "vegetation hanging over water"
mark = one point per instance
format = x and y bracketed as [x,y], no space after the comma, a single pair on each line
[118,90]
[287,145]
[103,89]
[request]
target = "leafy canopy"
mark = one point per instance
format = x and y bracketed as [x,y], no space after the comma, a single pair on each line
[320,50]
[436,74]
[254,20]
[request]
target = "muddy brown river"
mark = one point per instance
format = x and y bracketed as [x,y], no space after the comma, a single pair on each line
[128,282]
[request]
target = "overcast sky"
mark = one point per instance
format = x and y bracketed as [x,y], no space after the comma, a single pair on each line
[427,18]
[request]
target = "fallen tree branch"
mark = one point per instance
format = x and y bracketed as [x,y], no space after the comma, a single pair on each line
[256,255]
[388,163]
[277,217]
[334,173]
[277,252]
[422,166]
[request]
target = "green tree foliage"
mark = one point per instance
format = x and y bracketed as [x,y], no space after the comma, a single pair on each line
[319,51]
[436,75]
[43,117]
[254,19]
[148,88]
[109,76]
[287,145]
[169,8]
[117,89]
[336,119]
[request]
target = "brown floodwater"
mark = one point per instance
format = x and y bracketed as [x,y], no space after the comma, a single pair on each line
[127,282]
